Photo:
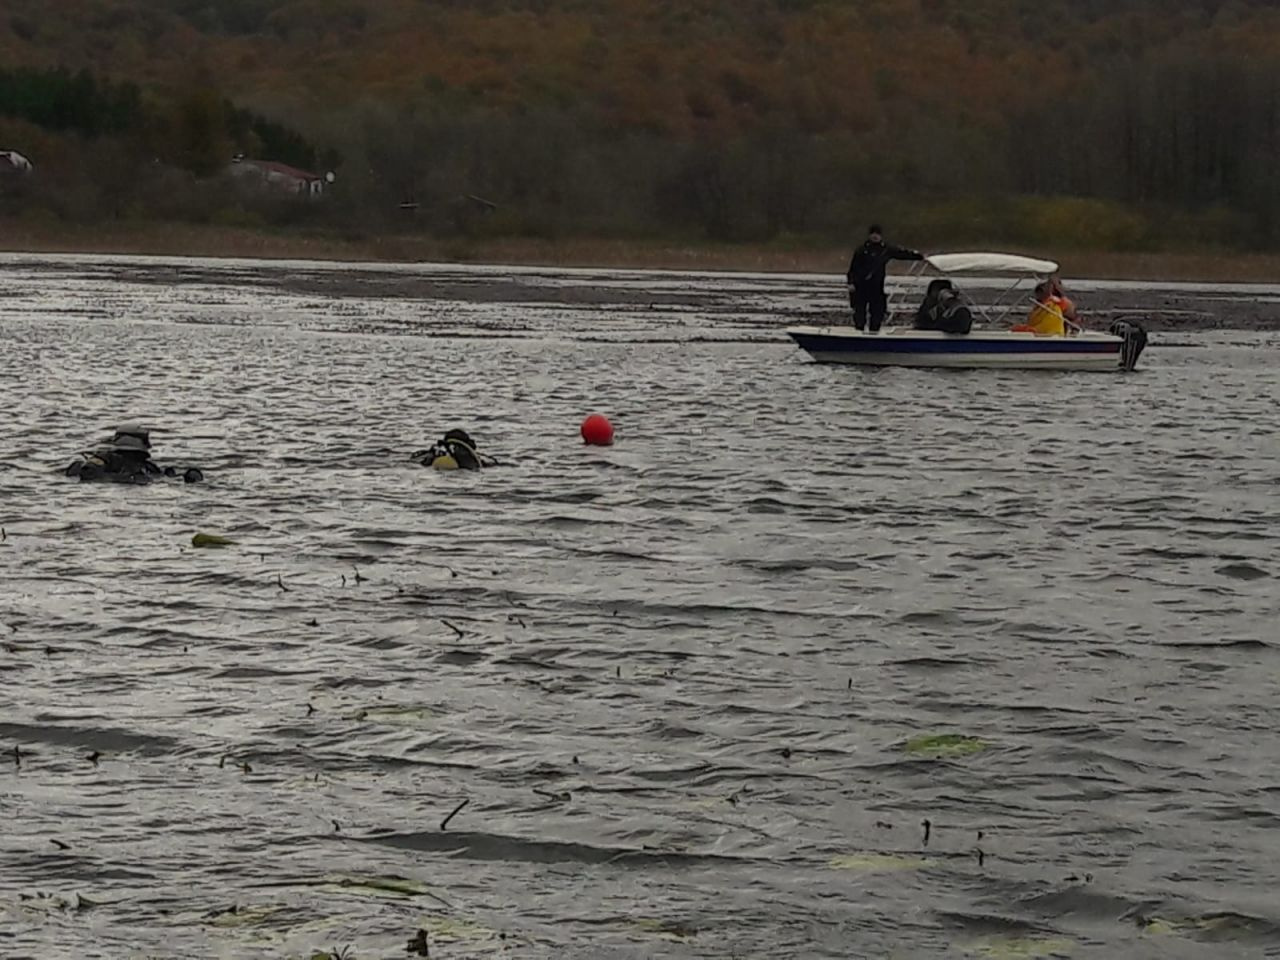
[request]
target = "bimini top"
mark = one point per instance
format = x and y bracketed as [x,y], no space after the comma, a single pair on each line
[990,263]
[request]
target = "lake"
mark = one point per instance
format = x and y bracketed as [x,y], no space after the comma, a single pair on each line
[700,690]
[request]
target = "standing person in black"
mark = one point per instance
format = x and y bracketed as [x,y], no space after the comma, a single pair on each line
[866,278]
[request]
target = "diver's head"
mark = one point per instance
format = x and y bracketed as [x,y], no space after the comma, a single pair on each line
[128,446]
[135,432]
[461,436]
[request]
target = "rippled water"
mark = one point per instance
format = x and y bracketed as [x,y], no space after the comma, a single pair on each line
[675,679]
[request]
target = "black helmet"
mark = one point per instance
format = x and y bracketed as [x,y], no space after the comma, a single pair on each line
[461,436]
[127,443]
[132,430]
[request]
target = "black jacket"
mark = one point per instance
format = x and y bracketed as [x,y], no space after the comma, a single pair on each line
[866,269]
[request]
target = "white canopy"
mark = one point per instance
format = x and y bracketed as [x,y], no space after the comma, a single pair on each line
[990,263]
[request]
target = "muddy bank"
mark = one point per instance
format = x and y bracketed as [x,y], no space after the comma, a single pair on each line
[194,240]
[757,304]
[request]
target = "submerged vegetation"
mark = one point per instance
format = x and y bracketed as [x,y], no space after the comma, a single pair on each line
[1119,126]
[943,745]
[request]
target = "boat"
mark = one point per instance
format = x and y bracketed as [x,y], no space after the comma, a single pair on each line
[989,342]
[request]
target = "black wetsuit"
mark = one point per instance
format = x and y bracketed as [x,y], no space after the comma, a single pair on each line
[113,466]
[126,458]
[866,280]
[943,309]
[110,467]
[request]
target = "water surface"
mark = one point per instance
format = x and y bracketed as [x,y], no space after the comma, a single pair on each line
[676,679]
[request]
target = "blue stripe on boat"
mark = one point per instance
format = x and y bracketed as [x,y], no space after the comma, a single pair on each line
[957,344]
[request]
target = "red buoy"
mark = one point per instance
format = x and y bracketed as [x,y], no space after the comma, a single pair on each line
[597,430]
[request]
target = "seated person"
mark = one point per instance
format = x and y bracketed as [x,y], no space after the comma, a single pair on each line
[943,309]
[126,458]
[1064,302]
[1045,318]
[456,451]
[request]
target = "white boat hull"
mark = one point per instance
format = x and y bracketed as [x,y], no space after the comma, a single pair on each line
[995,349]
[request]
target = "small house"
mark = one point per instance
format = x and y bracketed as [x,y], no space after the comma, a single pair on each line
[268,174]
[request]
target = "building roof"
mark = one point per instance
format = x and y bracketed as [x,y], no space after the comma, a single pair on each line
[271,166]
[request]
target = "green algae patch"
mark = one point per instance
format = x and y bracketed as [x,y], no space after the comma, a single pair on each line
[877,862]
[1020,948]
[201,540]
[403,715]
[1159,926]
[1214,927]
[944,745]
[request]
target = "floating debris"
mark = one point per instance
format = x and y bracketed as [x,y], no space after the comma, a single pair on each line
[456,810]
[210,540]
[419,944]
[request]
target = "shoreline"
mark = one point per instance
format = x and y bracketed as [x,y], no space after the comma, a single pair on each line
[174,239]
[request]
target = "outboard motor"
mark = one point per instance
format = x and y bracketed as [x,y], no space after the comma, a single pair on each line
[1134,336]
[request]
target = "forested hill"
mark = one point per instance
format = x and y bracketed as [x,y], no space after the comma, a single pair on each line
[1103,122]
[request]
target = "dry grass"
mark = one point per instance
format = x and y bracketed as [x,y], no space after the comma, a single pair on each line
[212,241]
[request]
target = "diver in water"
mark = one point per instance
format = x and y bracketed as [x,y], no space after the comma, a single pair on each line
[456,451]
[126,458]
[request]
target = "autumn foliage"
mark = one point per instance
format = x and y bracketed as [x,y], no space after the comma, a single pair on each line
[1109,124]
